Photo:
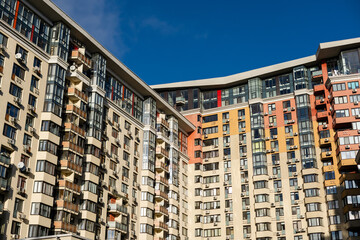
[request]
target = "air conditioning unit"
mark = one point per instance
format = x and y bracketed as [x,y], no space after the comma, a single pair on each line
[295,133]
[103,165]
[356,103]
[325,126]
[278,234]
[207,212]
[302,216]
[296,203]
[271,124]
[117,141]
[285,109]
[268,151]
[347,147]
[206,159]
[36,70]
[296,160]
[215,198]
[224,132]
[242,194]
[103,184]
[288,161]
[226,210]
[206,185]
[295,174]
[272,204]
[246,180]
[326,140]
[17,100]
[270,177]
[215,224]
[227,144]
[15,236]
[11,141]
[205,136]
[129,132]
[265,113]
[27,148]
[241,142]
[20,190]
[22,215]
[101,200]
[275,137]
[247,207]
[357,116]
[292,108]
[267,138]
[31,108]
[354,90]
[227,120]
[242,168]
[278,190]
[13,120]
[115,173]
[244,154]
[295,147]
[328,153]
[298,188]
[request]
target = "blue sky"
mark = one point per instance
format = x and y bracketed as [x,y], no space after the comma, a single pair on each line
[167,41]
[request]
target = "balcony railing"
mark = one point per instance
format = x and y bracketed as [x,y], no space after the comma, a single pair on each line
[162,166]
[162,151]
[69,185]
[73,127]
[72,91]
[73,146]
[68,205]
[68,165]
[114,207]
[76,110]
[65,226]
[80,58]
[116,225]
[160,225]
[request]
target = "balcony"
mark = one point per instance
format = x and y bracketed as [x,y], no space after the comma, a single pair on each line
[321,115]
[319,88]
[63,226]
[74,109]
[162,180]
[160,166]
[74,208]
[324,141]
[117,209]
[77,77]
[347,165]
[323,127]
[5,160]
[117,226]
[160,226]
[69,185]
[163,122]
[353,225]
[75,94]
[316,74]
[326,155]
[319,102]
[69,167]
[162,152]
[80,58]
[74,128]
[73,147]
[161,210]
[161,195]
[180,101]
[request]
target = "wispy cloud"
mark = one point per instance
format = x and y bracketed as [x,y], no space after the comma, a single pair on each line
[100,18]
[159,25]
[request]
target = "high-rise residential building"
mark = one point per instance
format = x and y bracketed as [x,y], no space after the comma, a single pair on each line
[90,151]
[273,156]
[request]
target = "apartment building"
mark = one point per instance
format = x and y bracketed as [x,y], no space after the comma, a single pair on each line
[273,153]
[88,150]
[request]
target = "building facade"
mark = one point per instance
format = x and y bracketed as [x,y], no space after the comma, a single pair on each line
[273,156]
[87,149]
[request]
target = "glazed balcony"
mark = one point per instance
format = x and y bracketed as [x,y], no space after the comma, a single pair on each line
[74,208]
[117,209]
[76,95]
[162,152]
[5,160]
[161,210]
[74,128]
[161,195]
[69,185]
[160,226]
[160,166]
[63,226]
[69,167]
[4,185]
[80,58]
[70,108]
[73,147]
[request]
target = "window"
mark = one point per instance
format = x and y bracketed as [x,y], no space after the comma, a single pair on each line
[313,222]
[146,228]
[311,192]
[339,87]
[37,62]
[43,187]
[38,231]
[353,85]
[45,145]
[32,100]
[49,126]
[40,209]
[210,118]
[342,113]
[45,166]
[18,72]
[9,131]
[15,90]
[12,111]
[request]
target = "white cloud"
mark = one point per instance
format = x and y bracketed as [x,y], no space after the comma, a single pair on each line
[159,25]
[102,19]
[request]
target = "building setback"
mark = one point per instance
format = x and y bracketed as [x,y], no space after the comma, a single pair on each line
[90,151]
[273,156]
